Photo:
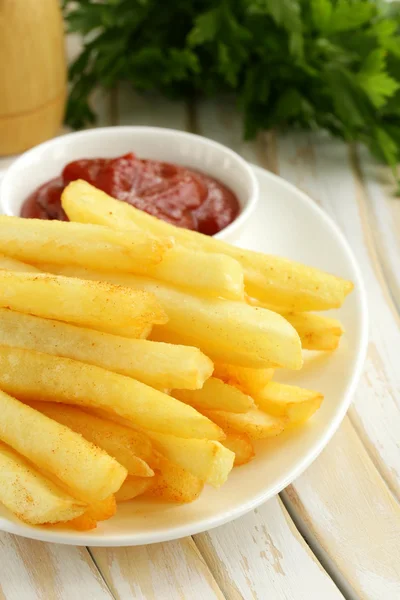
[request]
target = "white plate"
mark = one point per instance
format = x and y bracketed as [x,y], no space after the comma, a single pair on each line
[288,223]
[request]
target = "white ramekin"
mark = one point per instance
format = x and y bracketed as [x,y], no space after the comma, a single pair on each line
[47,160]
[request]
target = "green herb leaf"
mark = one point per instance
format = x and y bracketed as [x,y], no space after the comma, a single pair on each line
[333,64]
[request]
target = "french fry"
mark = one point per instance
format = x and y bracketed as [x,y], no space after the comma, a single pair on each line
[122,443]
[34,376]
[10,264]
[215,274]
[30,495]
[210,347]
[98,511]
[241,445]
[157,364]
[250,381]
[216,395]
[271,279]
[133,487]
[86,470]
[92,246]
[102,510]
[101,306]
[316,332]
[227,330]
[174,484]
[208,460]
[289,401]
[256,423]
[82,523]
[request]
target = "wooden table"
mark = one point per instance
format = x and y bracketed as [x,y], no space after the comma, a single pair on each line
[335,532]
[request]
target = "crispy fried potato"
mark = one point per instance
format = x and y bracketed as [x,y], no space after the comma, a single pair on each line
[133,487]
[256,423]
[144,446]
[92,246]
[206,459]
[98,511]
[34,376]
[31,496]
[250,381]
[229,331]
[10,264]
[271,279]
[294,403]
[102,510]
[241,445]
[103,306]
[174,484]
[158,365]
[89,472]
[123,443]
[216,395]
[215,274]
[316,332]
[211,348]
[82,523]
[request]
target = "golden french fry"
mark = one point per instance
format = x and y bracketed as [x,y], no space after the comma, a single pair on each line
[93,246]
[256,423]
[103,509]
[31,496]
[157,364]
[316,332]
[294,403]
[241,445]
[34,376]
[122,443]
[215,274]
[216,395]
[271,279]
[250,381]
[174,484]
[229,331]
[208,460]
[98,511]
[133,487]
[89,472]
[82,523]
[10,264]
[101,306]
[210,347]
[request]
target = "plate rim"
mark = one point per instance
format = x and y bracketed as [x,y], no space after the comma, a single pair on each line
[206,524]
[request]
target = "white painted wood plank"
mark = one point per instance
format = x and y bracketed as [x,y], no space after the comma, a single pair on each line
[222,123]
[170,571]
[31,570]
[149,109]
[384,212]
[324,169]
[349,517]
[262,555]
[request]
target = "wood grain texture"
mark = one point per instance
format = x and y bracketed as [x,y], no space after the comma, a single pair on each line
[171,571]
[31,570]
[32,73]
[262,555]
[350,518]
[328,171]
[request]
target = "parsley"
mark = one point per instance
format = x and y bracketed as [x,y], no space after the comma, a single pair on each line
[331,64]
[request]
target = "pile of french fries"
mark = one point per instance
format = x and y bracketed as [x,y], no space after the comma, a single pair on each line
[137,359]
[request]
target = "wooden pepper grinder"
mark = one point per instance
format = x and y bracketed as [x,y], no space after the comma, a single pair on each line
[32,73]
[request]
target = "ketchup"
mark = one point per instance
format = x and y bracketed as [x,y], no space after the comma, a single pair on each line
[181,196]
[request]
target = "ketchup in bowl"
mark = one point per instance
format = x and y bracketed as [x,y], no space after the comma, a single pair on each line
[176,194]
